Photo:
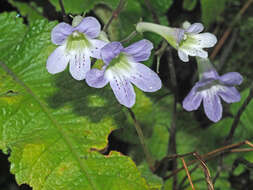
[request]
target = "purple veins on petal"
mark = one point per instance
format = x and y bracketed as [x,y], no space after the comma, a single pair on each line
[123,90]
[79,65]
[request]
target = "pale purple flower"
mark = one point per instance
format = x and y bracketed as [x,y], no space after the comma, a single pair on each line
[123,67]
[189,41]
[210,89]
[76,44]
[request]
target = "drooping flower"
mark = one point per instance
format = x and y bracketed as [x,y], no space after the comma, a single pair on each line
[187,41]
[76,44]
[123,67]
[210,88]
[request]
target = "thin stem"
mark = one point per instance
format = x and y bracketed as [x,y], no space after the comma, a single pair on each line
[115,14]
[213,154]
[129,37]
[149,159]
[172,142]
[188,174]
[238,116]
[229,30]
[65,17]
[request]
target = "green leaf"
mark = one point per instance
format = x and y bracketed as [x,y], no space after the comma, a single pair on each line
[75,7]
[154,181]
[30,10]
[211,9]
[54,125]
[10,22]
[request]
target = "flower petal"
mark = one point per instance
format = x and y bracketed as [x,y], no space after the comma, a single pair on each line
[193,100]
[79,65]
[60,32]
[110,51]
[183,56]
[229,94]
[57,61]
[179,35]
[195,28]
[194,51]
[140,50]
[95,78]
[123,90]
[97,45]
[89,26]
[212,106]
[232,78]
[145,79]
[205,40]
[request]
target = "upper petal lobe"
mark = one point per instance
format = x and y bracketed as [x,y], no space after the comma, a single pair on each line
[140,50]
[60,32]
[89,26]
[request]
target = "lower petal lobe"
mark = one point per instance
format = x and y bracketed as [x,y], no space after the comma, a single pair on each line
[57,61]
[79,65]
[123,90]
[144,78]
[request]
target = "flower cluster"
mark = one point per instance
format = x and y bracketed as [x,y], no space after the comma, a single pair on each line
[78,43]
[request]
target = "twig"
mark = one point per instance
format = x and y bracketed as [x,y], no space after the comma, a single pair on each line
[65,17]
[187,172]
[115,14]
[185,178]
[206,171]
[227,50]
[142,140]
[228,31]
[212,154]
[130,37]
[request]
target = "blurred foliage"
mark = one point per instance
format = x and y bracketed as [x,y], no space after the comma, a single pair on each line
[54,126]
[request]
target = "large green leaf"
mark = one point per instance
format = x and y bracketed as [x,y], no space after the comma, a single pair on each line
[53,125]
[30,10]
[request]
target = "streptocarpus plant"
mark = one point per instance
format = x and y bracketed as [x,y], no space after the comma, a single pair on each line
[56,128]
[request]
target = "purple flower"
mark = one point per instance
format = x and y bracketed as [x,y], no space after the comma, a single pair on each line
[210,89]
[187,40]
[76,46]
[122,68]
[191,42]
